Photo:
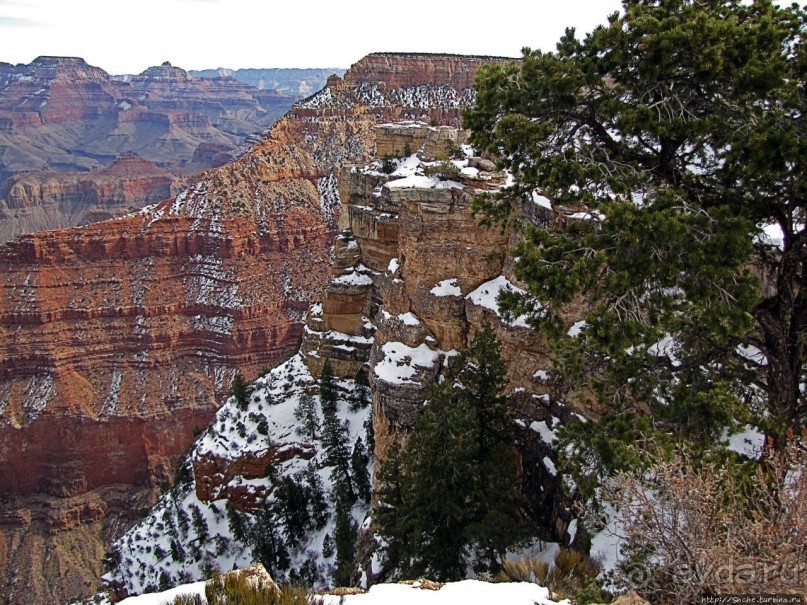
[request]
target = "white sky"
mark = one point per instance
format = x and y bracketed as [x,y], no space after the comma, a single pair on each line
[127,37]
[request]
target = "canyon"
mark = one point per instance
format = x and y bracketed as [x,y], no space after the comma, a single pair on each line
[121,338]
[66,126]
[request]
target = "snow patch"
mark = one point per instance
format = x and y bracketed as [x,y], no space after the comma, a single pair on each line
[748,442]
[111,403]
[408,166]
[467,592]
[752,353]
[577,328]
[547,435]
[487,296]
[353,278]
[401,363]
[447,287]
[572,529]
[167,596]
[594,215]
[407,319]
[38,393]
[541,200]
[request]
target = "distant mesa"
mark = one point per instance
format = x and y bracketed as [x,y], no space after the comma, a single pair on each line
[287,81]
[60,116]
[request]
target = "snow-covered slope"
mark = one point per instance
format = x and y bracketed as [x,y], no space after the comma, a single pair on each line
[186,538]
[468,592]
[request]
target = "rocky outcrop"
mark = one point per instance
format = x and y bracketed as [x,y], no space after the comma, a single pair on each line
[414,277]
[229,105]
[145,319]
[63,122]
[412,70]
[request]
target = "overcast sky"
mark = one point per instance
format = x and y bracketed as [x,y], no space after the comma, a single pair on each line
[127,37]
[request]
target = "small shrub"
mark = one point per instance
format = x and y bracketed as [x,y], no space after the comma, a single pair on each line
[455,151]
[445,170]
[693,528]
[327,547]
[388,165]
[523,570]
[241,392]
[571,574]
[187,599]
[238,590]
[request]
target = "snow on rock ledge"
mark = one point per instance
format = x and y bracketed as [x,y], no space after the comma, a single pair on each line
[487,295]
[400,362]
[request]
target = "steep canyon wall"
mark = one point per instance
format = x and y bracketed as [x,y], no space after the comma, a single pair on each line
[120,338]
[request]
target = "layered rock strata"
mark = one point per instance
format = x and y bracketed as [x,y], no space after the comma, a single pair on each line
[70,199]
[143,321]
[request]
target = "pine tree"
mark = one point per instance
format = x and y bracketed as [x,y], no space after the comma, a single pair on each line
[454,488]
[435,488]
[327,388]
[199,524]
[268,547]
[306,414]
[292,502]
[369,433]
[388,513]
[495,501]
[177,552]
[345,532]
[679,124]
[334,435]
[316,500]
[327,546]
[235,523]
[360,397]
[358,465]
[241,391]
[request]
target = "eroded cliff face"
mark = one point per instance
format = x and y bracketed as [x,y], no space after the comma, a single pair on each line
[126,334]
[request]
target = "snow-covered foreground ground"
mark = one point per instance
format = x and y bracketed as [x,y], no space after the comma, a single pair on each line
[467,592]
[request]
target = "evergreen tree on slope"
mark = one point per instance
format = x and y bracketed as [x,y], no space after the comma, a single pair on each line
[453,492]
